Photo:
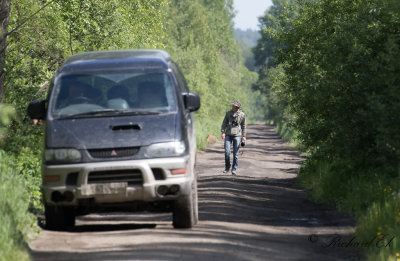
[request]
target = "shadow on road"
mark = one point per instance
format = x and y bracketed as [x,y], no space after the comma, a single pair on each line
[273,202]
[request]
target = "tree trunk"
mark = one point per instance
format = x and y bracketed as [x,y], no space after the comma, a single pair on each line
[4,17]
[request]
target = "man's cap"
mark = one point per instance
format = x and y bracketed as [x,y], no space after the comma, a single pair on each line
[237,104]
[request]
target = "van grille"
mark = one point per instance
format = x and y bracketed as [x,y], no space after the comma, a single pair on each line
[131,176]
[113,152]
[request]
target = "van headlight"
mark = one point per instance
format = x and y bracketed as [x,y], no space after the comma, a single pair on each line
[166,149]
[65,155]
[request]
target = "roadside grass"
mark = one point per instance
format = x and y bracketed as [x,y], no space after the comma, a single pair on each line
[288,134]
[203,128]
[369,195]
[17,224]
[28,165]
[381,223]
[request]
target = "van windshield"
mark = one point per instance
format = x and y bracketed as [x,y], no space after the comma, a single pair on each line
[100,93]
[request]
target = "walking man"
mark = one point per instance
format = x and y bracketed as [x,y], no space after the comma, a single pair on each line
[233,130]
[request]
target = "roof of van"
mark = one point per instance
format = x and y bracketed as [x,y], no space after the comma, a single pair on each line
[120,58]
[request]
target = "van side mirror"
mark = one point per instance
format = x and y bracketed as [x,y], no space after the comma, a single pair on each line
[37,109]
[191,101]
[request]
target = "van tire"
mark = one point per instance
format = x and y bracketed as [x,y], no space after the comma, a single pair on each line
[185,210]
[195,202]
[59,217]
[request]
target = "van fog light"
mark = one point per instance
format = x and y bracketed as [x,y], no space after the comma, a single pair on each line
[56,196]
[174,189]
[162,190]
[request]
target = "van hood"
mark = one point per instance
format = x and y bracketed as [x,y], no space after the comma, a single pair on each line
[112,132]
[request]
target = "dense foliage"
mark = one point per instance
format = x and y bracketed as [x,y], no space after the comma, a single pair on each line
[335,81]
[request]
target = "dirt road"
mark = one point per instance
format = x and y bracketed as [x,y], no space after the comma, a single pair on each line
[257,215]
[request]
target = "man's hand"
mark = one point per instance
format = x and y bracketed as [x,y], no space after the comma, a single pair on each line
[244,139]
[223,136]
[37,122]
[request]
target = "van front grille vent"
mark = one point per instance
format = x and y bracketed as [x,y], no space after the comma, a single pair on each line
[113,152]
[131,176]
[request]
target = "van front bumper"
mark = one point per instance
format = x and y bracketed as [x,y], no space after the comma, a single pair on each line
[146,180]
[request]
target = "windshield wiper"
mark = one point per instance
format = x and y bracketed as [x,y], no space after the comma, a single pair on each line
[110,112]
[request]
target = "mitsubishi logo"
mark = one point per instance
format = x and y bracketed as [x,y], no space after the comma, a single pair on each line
[114,153]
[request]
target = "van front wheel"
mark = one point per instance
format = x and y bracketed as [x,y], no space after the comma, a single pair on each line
[185,213]
[59,217]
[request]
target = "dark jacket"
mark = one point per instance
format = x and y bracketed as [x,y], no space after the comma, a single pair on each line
[234,124]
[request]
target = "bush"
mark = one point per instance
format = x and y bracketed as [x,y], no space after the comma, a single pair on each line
[17,225]
[382,223]
[28,166]
[368,194]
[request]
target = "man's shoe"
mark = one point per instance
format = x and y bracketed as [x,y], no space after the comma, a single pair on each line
[225,171]
[234,172]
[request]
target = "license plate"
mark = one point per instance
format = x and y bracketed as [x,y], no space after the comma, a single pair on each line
[104,188]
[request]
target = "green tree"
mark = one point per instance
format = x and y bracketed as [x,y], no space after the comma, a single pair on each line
[271,74]
[264,52]
[341,76]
